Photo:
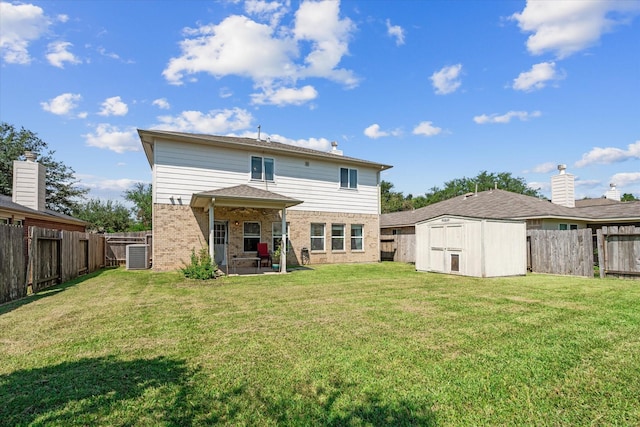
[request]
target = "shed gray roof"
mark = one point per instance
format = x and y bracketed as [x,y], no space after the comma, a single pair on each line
[243,195]
[148,137]
[501,204]
[7,203]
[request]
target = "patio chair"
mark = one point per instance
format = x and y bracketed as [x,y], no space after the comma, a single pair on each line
[264,254]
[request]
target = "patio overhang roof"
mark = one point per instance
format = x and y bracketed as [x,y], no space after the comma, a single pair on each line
[242,196]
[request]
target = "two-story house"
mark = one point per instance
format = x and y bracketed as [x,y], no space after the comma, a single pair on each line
[231,193]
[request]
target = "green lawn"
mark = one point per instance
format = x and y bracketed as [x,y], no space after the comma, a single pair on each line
[375,344]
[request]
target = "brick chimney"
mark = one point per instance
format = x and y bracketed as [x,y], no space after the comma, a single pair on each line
[563,188]
[29,187]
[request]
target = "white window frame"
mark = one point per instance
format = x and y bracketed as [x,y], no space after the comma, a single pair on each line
[246,236]
[276,235]
[338,240]
[263,168]
[351,179]
[357,238]
[318,238]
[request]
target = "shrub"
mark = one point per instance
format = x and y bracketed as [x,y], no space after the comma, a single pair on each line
[201,266]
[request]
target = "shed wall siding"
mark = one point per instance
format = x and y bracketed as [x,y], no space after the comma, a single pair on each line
[183,169]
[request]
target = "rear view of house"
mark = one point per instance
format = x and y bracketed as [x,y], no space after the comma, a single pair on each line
[231,193]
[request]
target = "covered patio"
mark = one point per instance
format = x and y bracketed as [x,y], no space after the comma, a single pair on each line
[236,218]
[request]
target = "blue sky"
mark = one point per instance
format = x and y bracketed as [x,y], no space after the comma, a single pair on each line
[438,89]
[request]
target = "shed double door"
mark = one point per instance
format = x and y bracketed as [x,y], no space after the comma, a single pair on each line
[445,248]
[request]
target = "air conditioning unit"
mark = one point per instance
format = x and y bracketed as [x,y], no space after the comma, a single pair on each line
[137,257]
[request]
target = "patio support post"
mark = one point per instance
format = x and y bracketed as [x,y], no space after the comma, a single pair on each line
[283,252]
[211,222]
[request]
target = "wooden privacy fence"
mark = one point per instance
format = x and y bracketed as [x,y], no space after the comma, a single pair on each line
[58,256]
[116,245]
[12,263]
[619,251]
[566,252]
[398,247]
[53,256]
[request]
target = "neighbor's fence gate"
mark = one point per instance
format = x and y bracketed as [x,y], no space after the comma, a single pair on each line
[52,256]
[567,252]
[619,251]
[12,263]
[58,256]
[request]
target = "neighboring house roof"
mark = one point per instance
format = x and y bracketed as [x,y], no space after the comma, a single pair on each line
[6,204]
[501,204]
[242,195]
[595,202]
[148,136]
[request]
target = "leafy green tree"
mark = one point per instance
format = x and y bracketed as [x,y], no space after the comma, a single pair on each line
[63,192]
[104,216]
[393,201]
[483,181]
[628,197]
[140,196]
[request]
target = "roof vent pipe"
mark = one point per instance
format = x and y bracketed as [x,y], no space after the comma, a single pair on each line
[258,132]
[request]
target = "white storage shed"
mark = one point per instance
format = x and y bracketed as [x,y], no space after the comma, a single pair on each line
[469,246]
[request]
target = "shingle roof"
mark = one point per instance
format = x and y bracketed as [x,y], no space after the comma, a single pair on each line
[147,136]
[7,203]
[501,204]
[244,194]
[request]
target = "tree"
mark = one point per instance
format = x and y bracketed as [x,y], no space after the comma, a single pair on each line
[62,190]
[628,197]
[140,196]
[484,181]
[104,216]
[393,201]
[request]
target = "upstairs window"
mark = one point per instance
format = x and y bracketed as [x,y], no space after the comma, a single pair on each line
[348,178]
[262,168]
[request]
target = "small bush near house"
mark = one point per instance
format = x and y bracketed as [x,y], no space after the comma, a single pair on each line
[201,266]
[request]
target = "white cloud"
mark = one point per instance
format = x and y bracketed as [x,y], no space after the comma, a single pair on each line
[395,31]
[609,155]
[374,131]
[543,168]
[542,186]
[271,11]
[426,129]
[285,96]
[214,122]
[63,104]
[113,107]
[447,79]
[20,24]
[112,138]
[567,27]
[626,178]
[537,77]
[161,103]
[269,55]
[58,54]
[506,118]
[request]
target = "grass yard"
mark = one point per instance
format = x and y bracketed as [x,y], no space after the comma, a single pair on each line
[352,345]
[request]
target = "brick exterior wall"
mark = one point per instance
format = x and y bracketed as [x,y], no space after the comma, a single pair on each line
[179,229]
